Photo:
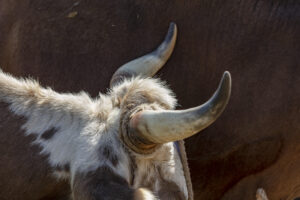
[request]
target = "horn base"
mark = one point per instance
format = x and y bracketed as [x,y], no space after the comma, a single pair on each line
[134,140]
[137,144]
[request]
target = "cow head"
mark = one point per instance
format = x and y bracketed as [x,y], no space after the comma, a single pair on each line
[121,144]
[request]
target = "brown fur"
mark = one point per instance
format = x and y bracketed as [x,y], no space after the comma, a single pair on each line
[33,179]
[101,184]
[64,168]
[48,134]
[254,144]
[183,157]
[107,152]
[170,191]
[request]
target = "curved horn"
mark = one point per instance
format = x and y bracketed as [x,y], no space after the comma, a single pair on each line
[148,64]
[160,127]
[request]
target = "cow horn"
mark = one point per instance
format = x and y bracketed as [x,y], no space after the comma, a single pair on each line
[160,127]
[148,64]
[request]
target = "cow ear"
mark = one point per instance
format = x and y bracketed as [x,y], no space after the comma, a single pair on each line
[28,98]
[149,64]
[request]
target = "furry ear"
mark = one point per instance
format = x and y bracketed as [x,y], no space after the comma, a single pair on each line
[102,183]
[26,96]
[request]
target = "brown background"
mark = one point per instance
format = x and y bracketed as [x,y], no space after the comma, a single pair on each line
[255,143]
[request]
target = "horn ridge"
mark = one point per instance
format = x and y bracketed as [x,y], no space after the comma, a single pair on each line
[172,125]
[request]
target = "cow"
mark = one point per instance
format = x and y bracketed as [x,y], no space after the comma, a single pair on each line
[77,45]
[119,145]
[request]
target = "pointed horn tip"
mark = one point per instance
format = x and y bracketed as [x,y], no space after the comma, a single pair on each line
[227,75]
[224,90]
[172,33]
[226,85]
[226,80]
[173,26]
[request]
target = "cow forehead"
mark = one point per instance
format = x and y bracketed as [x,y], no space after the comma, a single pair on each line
[144,89]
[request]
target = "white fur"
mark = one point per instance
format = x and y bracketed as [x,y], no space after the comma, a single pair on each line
[168,160]
[261,194]
[84,124]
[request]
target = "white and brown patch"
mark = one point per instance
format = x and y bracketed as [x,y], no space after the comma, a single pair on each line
[48,134]
[109,155]
[81,138]
[101,183]
[162,173]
